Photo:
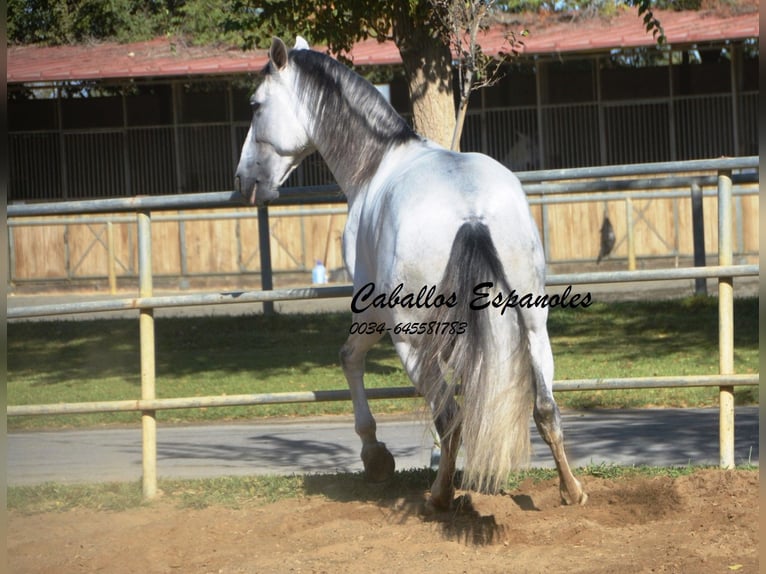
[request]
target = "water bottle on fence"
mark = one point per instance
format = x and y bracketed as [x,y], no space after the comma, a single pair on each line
[319,274]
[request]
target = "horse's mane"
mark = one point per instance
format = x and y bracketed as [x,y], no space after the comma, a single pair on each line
[347,110]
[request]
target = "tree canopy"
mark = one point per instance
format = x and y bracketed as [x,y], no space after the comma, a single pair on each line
[247,23]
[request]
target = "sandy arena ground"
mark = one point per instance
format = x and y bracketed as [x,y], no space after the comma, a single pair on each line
[705,522]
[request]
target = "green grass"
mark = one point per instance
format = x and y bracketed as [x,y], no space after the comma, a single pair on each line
[253,491]
[80,361]
[653,338]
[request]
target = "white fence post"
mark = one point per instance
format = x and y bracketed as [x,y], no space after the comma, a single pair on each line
[146,327]
[725,322]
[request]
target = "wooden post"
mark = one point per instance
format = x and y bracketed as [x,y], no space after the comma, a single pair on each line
[183,282]
[146,326]
[725,322]
[631,234]
[112,265]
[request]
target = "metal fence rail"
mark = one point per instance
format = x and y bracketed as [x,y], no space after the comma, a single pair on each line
[346,290]
[146,303]
[613,383]
[322,194]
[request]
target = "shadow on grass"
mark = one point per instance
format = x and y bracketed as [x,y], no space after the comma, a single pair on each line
[635,330]
[62,351]
[59,351]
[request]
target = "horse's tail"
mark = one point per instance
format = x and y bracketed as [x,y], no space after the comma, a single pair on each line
[490,361]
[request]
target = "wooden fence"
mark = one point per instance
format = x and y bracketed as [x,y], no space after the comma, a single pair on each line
[221,246]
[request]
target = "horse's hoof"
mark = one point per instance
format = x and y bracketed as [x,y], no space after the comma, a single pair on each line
[578,500]
[441,499]
[378,462]
[433,507]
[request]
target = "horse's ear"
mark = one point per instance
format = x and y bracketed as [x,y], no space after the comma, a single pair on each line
[278,53]
[301,43]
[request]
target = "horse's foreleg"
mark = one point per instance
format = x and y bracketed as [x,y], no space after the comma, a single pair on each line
[377,460]
[548,419]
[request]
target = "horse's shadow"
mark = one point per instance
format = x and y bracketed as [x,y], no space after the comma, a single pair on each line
[465,523]
[405,496]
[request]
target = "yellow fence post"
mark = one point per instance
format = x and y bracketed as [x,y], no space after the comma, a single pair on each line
[725,322]
[146,326]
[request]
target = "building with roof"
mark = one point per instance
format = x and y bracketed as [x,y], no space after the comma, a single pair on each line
[161,117]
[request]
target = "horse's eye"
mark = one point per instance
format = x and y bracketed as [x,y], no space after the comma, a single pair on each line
[255,106]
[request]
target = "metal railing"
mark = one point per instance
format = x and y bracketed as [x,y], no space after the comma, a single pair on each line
[146,303]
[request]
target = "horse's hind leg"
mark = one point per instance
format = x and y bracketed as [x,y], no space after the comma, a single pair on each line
[443,488]
[378,461]
[546,412]
[445,412]
[548,421]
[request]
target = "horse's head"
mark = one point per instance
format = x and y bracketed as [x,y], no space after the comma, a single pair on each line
[277,141]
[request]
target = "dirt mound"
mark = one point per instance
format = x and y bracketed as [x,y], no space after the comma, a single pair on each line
[704,522]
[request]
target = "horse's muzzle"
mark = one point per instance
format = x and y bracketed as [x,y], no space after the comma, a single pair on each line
[254,193]
[245,189]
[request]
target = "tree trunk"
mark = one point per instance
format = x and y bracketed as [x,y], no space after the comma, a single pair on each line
[459,123]
[462,109]
[428,65]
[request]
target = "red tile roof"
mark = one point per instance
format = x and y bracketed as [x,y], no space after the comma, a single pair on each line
[627,31]
[158,57]
[164,57]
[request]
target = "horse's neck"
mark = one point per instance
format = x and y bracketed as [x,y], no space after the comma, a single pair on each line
[346,167]
[354,139]
[343,172]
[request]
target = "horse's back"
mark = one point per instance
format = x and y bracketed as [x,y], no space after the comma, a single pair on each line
[422,207]
[470,180]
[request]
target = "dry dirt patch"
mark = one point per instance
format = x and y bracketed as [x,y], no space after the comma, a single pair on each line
[704,522]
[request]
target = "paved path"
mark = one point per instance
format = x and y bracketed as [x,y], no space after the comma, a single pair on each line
[666,437]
